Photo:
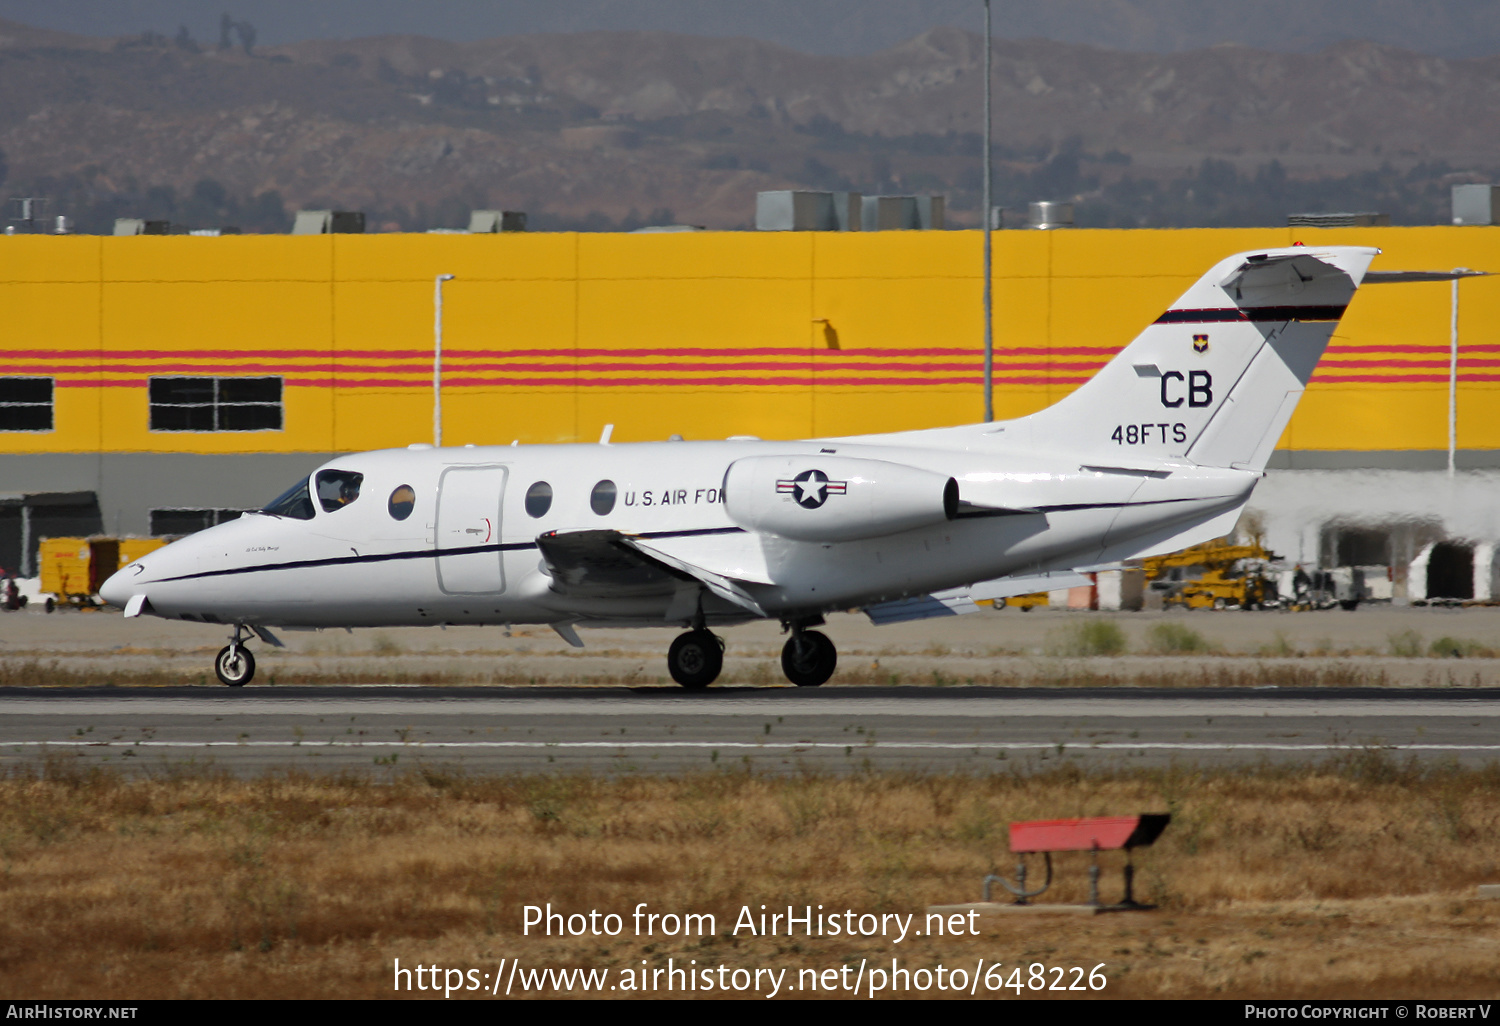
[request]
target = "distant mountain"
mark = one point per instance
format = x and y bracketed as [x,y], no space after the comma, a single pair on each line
[1449,28]
[603,124]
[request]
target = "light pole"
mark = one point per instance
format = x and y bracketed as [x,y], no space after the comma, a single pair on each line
[437,358]
[988,214]
[1458,272]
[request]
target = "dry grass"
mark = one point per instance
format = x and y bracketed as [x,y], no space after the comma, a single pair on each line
[1352,880]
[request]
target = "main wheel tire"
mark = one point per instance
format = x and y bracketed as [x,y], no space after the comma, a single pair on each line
[235,665]
[809,659]
[696,659]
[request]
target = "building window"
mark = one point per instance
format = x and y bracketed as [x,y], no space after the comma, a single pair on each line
[25,404]
[186,521]
[215,404]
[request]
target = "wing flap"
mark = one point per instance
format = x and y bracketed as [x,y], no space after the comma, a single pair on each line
[608,562]
[588,561]
[960,601]
[1009,587]
[722,586]
[922,607]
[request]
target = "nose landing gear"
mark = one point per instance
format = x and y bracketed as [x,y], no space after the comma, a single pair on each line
[235,666]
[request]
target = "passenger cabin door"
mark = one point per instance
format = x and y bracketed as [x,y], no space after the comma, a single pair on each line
[469,560]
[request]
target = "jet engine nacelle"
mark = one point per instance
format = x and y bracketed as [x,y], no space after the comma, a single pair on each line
[835,498]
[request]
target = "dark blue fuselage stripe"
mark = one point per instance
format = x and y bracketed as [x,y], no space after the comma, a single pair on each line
[380,557]
[388,557]
[1252,313]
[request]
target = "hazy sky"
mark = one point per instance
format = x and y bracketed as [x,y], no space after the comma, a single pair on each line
[1448,27]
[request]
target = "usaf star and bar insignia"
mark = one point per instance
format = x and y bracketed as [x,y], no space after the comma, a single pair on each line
[811,488]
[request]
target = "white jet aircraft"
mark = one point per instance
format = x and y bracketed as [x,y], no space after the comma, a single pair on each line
[1158,451]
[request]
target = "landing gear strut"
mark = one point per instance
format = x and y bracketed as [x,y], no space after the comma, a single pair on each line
[235,665]
[808,658]
[696,658]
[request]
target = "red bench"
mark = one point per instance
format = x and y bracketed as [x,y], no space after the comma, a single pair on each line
[1093,834]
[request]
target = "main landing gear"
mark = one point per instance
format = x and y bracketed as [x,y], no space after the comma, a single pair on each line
[235,665]
[696,658]
[808,658]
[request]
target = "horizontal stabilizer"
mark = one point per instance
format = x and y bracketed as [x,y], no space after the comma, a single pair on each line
[1276,271]
[1397,277]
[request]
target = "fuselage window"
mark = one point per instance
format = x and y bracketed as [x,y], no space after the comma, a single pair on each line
[337,488]
[403,501]
[602,501]
[538,499]
[295,502]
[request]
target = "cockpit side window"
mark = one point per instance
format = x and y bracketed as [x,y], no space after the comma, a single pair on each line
[295,502]
[337,488]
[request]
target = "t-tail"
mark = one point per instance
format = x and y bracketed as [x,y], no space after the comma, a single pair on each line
[1215,379]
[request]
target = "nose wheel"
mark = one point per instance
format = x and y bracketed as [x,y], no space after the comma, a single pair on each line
[808,659]
[696,658]
[235,666]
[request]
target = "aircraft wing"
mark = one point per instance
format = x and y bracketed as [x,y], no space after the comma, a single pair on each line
[609,562]
[958,601]
[725,587]
[583,562]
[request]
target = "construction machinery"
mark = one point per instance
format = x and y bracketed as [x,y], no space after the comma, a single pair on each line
[1218,575]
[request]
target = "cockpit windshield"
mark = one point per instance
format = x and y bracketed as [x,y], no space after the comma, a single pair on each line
[337,488]
[295,502]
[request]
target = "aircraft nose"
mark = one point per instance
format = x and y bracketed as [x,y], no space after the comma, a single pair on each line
[118,589]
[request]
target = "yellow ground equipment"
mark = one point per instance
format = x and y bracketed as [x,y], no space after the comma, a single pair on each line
[1026,603]
[132,549]
[73,568]
[1218,575]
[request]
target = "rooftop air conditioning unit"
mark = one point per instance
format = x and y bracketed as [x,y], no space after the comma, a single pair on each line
[802,211]
[1047,215]
[1475,204]
[140,226]
[329,222]
[485,222]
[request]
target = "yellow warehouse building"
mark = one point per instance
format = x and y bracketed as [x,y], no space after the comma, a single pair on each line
[151,383]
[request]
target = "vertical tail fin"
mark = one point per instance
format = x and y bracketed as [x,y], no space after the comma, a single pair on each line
[1214,379]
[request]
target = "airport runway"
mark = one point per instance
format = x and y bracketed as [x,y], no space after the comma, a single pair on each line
[775,729]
